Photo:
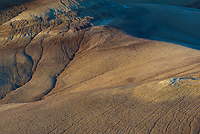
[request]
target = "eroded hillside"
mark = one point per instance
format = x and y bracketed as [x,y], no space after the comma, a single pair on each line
[86,66]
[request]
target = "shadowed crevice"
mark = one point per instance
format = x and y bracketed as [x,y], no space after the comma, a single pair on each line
[70,58]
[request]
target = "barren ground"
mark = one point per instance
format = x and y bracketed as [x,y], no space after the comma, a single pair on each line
[86,66]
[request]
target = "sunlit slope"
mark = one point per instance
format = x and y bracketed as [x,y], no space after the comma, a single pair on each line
[33,41]
[121,109]
[78,66]
[114,59]
[116,83]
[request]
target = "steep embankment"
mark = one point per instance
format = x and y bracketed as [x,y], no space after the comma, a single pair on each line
[34,47]
[91,75]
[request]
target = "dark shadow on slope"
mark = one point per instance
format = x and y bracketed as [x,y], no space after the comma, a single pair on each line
[163,2]
[4,4]
[179,25]
[195,5]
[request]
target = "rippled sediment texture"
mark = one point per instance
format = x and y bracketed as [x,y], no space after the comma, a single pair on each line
[84,66]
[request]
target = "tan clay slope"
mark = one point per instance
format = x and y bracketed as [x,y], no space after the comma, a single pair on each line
[120,109]
[111,58]
[33,33]
[28,46]
[96,79]
[98,92]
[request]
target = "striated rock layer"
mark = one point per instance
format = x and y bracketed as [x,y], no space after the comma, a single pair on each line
[85,66]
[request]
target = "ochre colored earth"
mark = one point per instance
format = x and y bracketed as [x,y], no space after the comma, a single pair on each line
[95,66]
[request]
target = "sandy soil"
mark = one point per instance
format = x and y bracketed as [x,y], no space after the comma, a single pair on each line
[82,67]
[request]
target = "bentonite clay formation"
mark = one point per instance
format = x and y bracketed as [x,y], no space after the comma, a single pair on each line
[99,66]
